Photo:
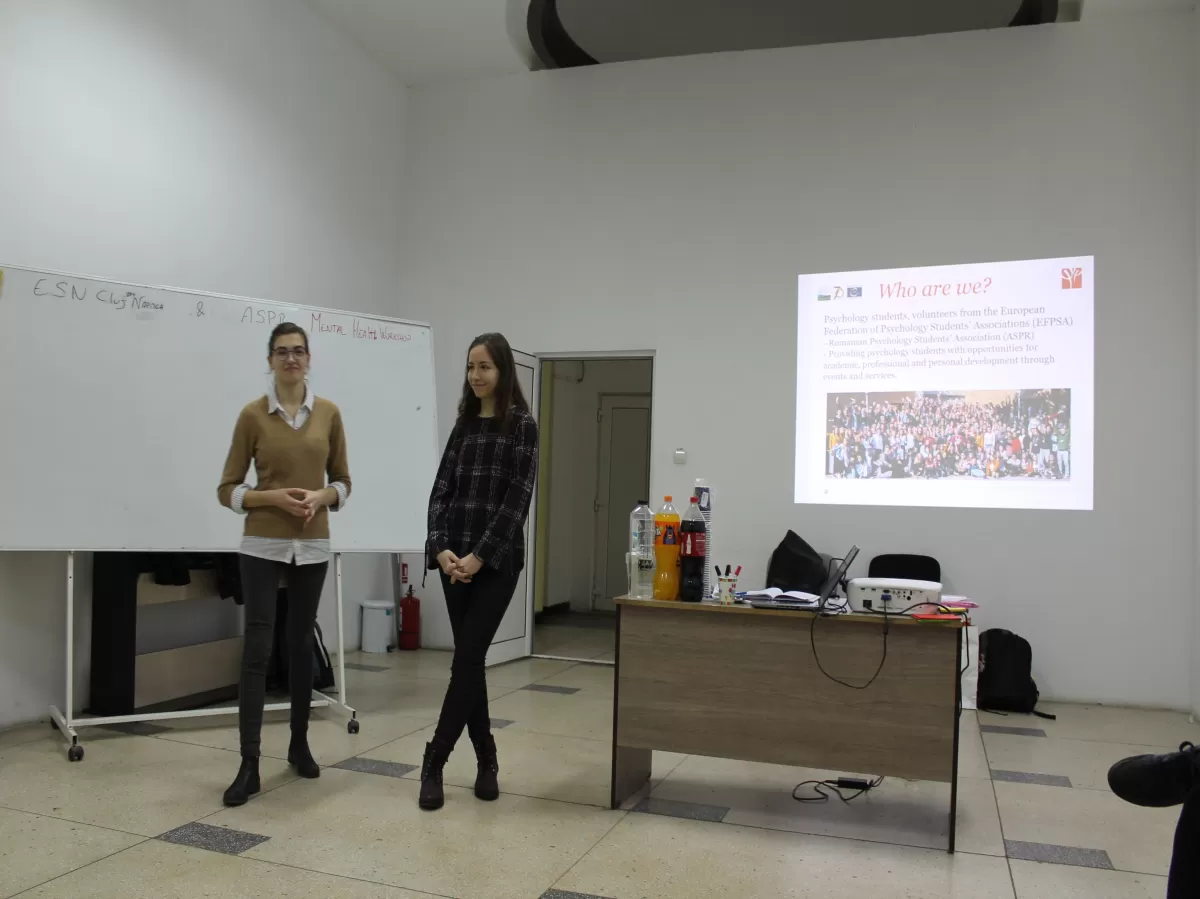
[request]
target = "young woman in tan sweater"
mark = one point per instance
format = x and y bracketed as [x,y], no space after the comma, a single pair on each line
[297,445]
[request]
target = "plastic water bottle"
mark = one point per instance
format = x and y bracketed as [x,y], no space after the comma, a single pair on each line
[704,493]
[641,551]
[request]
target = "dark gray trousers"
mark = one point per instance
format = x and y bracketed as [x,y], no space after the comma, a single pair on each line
[260,587]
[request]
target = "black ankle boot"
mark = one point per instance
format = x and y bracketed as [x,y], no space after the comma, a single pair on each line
[486,786]
[246,784]
[432,795]
[1157,780]
[300,758]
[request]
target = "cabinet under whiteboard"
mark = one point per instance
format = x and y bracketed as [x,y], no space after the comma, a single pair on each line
[123,399]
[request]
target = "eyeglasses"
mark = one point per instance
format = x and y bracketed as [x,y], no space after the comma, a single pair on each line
[282,353]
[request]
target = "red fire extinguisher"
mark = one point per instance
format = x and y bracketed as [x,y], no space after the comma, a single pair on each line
[410,615]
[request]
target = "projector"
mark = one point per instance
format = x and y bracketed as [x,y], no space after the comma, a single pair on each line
[892,595]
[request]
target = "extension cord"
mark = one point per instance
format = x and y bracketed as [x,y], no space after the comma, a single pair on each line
[853,783]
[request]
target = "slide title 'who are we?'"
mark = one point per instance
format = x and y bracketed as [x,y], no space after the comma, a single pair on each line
[1070,278]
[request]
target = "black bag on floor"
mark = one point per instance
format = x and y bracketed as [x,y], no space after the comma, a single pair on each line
[1006,674]
[322,667]
[277,669]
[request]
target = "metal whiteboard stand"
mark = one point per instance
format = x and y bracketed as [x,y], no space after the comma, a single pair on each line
[68,723]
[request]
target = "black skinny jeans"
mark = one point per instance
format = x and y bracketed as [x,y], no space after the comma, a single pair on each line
[260,587]
[476,610]
[1184,880]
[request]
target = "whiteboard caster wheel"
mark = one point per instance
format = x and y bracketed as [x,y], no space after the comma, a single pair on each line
[75,753]
[352,726]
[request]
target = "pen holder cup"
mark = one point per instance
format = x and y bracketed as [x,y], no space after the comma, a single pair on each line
[727,590]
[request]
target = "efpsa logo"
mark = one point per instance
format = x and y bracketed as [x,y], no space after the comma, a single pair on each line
[838,293]
[1072,279]
[854,291]
[825,294]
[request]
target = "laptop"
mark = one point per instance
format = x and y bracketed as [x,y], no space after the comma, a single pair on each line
[809,605]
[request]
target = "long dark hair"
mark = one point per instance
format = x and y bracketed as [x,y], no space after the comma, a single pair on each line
[508,395]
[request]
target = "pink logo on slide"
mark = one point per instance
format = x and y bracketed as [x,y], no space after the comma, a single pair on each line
[1072,279]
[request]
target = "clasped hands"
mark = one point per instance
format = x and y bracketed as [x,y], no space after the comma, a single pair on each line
[300,502]
[460,571]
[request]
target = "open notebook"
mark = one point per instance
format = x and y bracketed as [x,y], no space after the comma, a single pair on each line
[776,593]
[774,598]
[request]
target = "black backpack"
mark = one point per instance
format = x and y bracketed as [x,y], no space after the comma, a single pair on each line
[1005,674]
[797,566]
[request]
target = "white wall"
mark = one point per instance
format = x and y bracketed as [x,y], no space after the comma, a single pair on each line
[669,205]
[235,147]
[575,469]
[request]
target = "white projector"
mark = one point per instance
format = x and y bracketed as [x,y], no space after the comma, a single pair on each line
[895,596]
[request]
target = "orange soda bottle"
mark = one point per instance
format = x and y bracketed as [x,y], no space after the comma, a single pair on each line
[666,552]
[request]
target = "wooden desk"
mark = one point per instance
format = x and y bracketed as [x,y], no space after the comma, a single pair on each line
[742,683]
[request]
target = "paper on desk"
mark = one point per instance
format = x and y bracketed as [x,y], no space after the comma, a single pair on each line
[960,602]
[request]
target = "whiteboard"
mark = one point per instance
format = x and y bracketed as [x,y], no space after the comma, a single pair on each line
[118,401]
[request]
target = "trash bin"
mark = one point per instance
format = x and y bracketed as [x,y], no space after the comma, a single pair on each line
[378,625]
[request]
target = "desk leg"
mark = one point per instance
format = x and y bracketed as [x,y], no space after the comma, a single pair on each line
[630,767]
[953,807]
[957,722]
[631,772]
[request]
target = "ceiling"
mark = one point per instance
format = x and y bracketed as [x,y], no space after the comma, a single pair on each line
[427,41]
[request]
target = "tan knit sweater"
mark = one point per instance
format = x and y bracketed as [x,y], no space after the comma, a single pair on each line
[284,457]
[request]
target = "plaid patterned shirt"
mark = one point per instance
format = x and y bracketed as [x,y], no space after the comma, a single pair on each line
[481,495]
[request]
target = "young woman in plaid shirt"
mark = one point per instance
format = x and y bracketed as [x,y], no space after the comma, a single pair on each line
[477,514]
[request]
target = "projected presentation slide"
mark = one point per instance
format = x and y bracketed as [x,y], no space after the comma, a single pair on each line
[958,385]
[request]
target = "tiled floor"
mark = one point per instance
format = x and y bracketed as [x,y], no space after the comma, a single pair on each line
[142,814]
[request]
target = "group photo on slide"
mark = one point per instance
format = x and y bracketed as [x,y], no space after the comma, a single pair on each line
[988,434]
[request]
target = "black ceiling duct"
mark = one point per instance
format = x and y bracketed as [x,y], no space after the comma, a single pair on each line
[553,46]
[558,50]
[1035,12]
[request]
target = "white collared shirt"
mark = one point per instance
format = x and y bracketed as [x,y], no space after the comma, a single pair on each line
[276,549]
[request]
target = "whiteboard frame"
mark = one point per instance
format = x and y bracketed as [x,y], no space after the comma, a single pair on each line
[244,299]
